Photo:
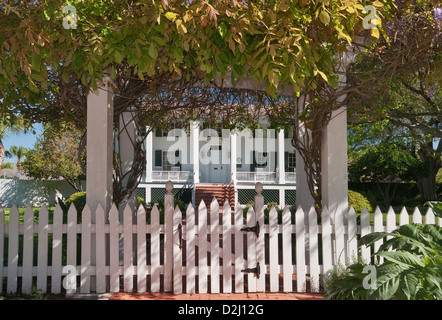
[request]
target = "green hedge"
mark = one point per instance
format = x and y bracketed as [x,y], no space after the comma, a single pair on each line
[358,201]
[79,201]
[407,194]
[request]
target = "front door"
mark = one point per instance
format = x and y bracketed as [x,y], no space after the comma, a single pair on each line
[217,169]
[217,173]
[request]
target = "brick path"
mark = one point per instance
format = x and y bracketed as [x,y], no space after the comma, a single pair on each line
[219,296]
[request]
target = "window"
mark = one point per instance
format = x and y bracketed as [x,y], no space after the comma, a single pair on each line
[162,158]
[290,161]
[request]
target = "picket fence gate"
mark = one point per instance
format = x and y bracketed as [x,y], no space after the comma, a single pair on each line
[200,250]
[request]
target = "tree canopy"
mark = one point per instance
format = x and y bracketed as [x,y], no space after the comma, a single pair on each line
[279,42]
[56,155]
[397,89]
[171,57]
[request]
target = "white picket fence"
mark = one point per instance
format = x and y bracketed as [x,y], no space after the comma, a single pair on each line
[201,250]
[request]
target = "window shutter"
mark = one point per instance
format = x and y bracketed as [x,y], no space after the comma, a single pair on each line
[276,161]
[177,154]
[158,158]
[286,161]
[253,165]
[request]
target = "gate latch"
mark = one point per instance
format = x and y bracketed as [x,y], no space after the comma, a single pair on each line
[252,229]
[256,270]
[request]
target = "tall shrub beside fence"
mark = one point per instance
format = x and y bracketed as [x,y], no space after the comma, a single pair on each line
[211,248]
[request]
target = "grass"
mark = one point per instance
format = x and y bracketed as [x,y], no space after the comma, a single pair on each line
[36,213]
[396,209]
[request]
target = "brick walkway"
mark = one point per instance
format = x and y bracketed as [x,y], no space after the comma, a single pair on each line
[220,296]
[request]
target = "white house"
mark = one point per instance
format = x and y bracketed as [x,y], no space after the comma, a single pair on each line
[194,156]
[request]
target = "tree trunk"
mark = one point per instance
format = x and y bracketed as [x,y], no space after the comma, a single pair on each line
[427,188]
[427,183]
[2,155]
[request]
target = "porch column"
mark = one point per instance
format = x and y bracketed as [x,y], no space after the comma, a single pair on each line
[99,147]
[195,150]
[233,156]
[281,149]
[149,154]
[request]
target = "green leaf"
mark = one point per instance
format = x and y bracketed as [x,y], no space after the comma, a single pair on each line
[222,29]
[47,15]
[403,258]
[118,56]
[324,17]
[32,86]
[153,52]
[409,284]
[387,281]
[371,238]
[113,73]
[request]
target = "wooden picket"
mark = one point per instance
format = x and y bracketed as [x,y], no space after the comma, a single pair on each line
[200,250]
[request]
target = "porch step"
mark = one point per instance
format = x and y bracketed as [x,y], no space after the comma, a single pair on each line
[221,192]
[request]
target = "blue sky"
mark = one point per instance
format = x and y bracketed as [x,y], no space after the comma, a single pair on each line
[21,140]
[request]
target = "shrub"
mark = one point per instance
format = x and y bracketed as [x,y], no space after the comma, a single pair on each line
[436,206]
[358,201]
[412,267]
[79,201]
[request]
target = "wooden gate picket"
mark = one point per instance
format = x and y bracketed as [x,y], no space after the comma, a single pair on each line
[214,247]
[191,237]
[239,249]
[227,247]
[202,248]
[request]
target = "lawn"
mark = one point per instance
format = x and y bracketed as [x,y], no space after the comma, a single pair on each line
[36,212]
[397,210]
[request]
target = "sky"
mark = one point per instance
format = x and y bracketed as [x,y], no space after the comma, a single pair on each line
[21,140]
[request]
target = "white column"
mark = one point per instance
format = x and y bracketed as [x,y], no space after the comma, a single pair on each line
[149,154]
[233,156]
[99,152]
[334,162]
[334,177]
[281,149]
[99,147]
[195,150]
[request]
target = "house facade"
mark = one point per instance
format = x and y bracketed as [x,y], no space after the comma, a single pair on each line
[193,155]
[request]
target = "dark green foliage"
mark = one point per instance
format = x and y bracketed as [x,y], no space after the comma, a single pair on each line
[411,270]
[358,201]
[79,201]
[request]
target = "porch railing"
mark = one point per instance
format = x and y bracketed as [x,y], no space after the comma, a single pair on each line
[290,176]
[256,176]
[175,176]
